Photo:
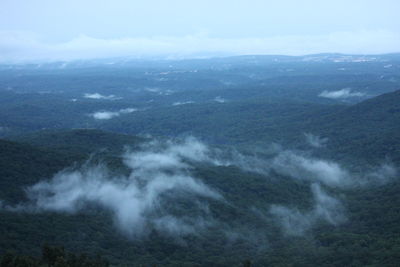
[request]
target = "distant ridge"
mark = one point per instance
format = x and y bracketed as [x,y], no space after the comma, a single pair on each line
[113,62]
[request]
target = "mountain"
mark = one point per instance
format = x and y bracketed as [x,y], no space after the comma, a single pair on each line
[28,158]
[80,140]
[200,61]
[94,96]
[370,129]
[262,161]
[241,226]
[23,164]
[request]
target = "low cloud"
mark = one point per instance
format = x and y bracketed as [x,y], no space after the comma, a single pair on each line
[140,202]
[219,99]
[325,208]
[106,115]
[315,141]
[182,103]
[316,170]
[100,96]
[300,165]
[153,89]
[380,175]
[248,162]
[292,164]
[148,198]
[159,91]
[341,94]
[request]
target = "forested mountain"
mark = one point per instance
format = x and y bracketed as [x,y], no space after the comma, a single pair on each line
[88,94]
[23,164]
[263,161]
[370,129]
[80,140]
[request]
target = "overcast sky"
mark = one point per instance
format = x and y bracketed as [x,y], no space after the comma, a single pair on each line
[73,29]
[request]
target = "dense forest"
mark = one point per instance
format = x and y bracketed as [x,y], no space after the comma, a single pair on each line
[241,161]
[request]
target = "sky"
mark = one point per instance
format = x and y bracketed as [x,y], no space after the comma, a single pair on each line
[81,29]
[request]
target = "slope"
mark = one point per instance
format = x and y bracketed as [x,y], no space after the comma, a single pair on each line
[23,164]
[79,140]
[370,129]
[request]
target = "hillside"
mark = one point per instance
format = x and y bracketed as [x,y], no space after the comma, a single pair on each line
[23,164]
[80,140]
[238,228]
[370,129]
[277,161]
[72,95]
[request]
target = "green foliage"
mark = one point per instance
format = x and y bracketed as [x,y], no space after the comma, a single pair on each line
[80,141]
[52,257]
[22,165]
[267,102]
[370,237]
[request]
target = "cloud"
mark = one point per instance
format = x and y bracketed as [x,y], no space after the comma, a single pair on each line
[106,115]
[325,208]
[340,94]
[140,202]
[159,91]
[182,103]
[148,198]
[300,165]
[292,164]
[318,170]
[380,175]
[247,162]
[100,96]
[315,141]
[330,173]
[153,89]
[21,46]
[219,99]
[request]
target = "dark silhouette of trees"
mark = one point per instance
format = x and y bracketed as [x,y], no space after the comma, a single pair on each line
[52,256]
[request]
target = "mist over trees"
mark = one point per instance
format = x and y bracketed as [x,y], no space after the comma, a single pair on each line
[238,161]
